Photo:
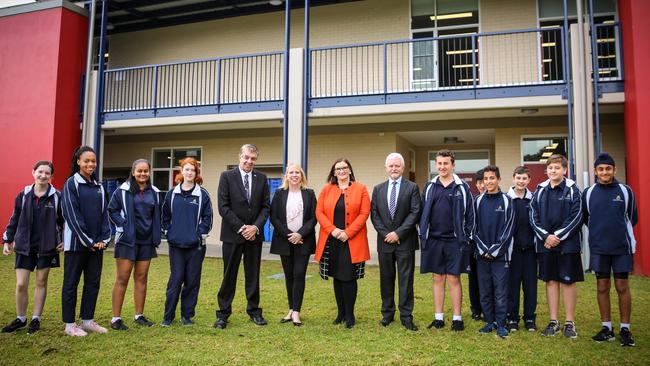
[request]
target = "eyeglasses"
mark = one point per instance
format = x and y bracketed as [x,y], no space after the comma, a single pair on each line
[341,169]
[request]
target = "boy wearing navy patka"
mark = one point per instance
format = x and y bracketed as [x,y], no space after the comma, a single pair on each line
[556,218]
[523,264]
[493,236]
[610,213]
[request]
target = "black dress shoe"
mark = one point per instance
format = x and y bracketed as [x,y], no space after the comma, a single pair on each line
[221,324]
[258,319]
[285,320]
[410,326]
[297,324]
[338,320]
[384,322]
[349,324]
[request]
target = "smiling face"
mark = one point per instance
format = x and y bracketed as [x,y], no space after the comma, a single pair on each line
[42,175]
[480,186]
[394,168]
[87,163]
[342,171]
[141,173]
[444,166]
[294,176]
[189,173]
[555,172]
[491,182]
[605,173]
[247,160]
[521,181]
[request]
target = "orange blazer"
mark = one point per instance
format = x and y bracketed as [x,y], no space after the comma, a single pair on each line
[357,210]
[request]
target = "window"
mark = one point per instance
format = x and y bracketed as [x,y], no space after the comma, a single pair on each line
[467,162]
[444,62]
[165,164]
[536,150]
[551,15]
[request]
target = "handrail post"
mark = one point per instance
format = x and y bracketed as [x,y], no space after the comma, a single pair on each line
[385,72]
[218,86]
[474,61]
[154,94]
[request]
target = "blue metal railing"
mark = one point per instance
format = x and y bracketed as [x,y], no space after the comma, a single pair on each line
[224,80]
[609,61]
[465,61]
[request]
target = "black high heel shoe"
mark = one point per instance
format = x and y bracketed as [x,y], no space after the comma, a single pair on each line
[339,319]
[286,320]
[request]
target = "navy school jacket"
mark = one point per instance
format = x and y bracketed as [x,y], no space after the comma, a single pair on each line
[610,213]
[187,220]
[522,233]
[122,215]
[50,221]
[494,223]
[463,211]
[86,214]
[571,207]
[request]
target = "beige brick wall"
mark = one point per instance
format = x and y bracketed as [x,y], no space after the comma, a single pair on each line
[613,136]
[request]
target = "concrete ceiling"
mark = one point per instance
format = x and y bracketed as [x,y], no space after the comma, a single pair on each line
[470,137]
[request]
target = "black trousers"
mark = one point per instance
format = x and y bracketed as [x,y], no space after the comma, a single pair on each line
[295,270]
[232,256]
[493,286]
[185,266]
[523,274]
[402,264]
[90,264]
[472,280]
[346,296]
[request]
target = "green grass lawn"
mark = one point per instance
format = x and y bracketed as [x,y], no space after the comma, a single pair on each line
[318,341]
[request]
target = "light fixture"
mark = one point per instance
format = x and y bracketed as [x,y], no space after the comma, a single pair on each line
[451,16]
[275,2]
[529,110]
[452,140]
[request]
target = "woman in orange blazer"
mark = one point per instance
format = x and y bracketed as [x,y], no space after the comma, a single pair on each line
[342,210]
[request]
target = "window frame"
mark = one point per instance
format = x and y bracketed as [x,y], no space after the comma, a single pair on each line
[170,182]
[539,136]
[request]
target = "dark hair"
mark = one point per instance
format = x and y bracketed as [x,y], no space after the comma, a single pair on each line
[521,170]
[479,175]
[447,153]
[331,177]
[45,162]
[559,159]
[134,185]
[198,179]
[494,169]
[74,167]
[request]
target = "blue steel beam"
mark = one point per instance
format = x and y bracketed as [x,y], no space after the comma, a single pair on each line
[594,64]
[99,117]
[287,47]
[306,93]
[567,78]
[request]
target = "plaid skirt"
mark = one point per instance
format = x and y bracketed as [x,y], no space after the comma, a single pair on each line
[358,270]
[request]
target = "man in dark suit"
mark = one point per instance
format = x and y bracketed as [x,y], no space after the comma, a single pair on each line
[243,200]
[394,213]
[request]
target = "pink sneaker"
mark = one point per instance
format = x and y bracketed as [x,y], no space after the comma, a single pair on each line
[74,330]
[93,327]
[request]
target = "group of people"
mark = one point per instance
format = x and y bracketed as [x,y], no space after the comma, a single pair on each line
[504,241]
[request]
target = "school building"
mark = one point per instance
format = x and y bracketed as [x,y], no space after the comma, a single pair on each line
[500,82]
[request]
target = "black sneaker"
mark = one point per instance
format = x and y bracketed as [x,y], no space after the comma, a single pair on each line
[570,330]
[438,324]
[626,338]
[530,325]
[476,316]
[457,325]
[141,320]
[118,325]
[186,321]
[34,326]
[513,326]
[605,335]
[14,326]
[552,329]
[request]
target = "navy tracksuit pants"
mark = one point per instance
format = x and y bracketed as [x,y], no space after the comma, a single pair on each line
[493,288]
[184,280]
[90,264]
[472,279]
[523,274]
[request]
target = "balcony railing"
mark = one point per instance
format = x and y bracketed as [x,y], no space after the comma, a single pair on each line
[212,82]
[608,48]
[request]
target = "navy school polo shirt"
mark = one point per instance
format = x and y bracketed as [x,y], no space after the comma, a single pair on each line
[441,224]
[144,202]
[554,207]
[36,230]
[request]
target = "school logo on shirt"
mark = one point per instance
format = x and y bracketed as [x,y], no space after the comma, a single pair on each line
[499,209]
[618,198]
[49,205]
[195,201]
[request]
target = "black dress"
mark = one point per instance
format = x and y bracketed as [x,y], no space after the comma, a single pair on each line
[336,261]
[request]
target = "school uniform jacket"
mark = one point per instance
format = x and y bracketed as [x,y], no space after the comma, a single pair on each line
[571,208]
[462,211]
[610,213]
[84,226]
[523,235]
[187,221]
[404,221]
[494,223]
[121,212]
[50,222]
[236,211]
[280,243]
[357,210]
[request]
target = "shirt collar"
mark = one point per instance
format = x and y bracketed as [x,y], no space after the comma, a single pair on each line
[242,172]
[398,180]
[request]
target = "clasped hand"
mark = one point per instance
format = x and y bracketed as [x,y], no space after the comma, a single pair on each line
[340,235]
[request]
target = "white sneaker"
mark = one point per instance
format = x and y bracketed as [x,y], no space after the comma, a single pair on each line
[75,331]
[93,327]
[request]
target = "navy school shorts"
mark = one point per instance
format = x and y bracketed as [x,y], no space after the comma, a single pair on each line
[32,261]
[135,253]
[565,268]
[444,257]
[603,265]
